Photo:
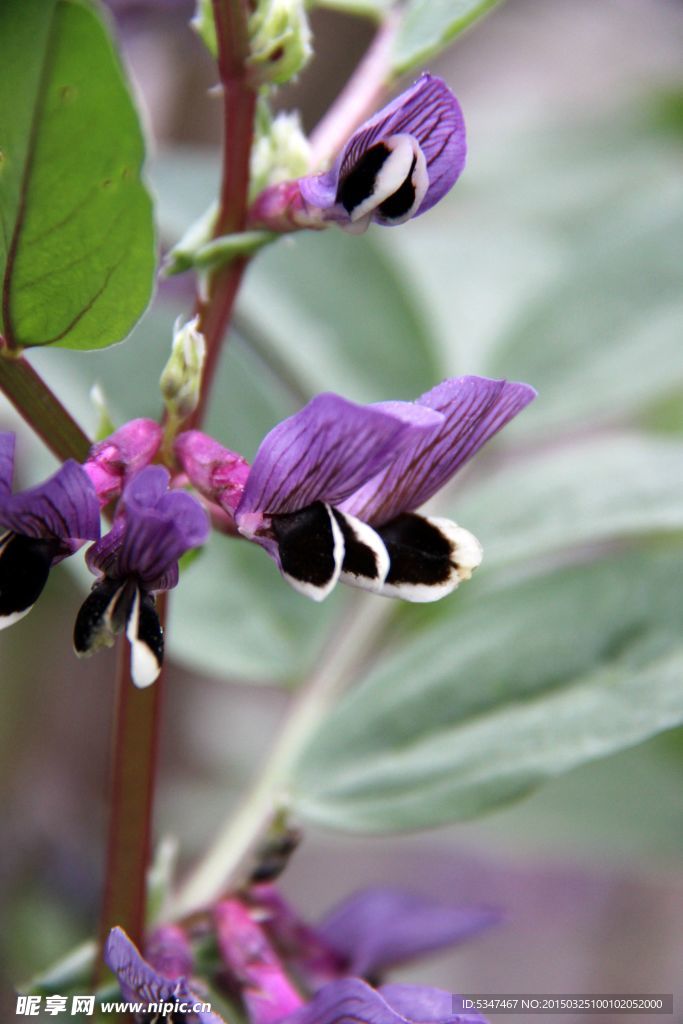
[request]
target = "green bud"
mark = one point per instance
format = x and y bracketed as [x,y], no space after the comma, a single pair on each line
[280,40]
[182,376]
[280,153]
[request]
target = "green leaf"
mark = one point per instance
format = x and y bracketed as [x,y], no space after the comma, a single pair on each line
[77,247]
[589,492]
[430,25]
[529,683]
[337,311]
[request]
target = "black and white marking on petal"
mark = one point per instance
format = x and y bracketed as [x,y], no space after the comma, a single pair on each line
[24,567]
[311,549]
[429,557]
[146,639]
[391,178]
[366,560]
[102,615]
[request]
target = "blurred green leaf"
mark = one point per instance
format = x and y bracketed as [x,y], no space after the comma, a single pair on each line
[591,491]
[77,249]
[430,25]
[537,679]
[338,312]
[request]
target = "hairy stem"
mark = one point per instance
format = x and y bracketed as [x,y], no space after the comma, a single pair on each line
[361,95]
[133,773]
[353,643]
[41,409]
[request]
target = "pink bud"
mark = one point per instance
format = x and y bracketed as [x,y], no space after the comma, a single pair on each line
[217,473]
[268,993]
[168,951]
[112,461]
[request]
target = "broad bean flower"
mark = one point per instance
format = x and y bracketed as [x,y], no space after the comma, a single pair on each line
[267,953]
[333,490]
[395,166]
[38,528]
[152,528]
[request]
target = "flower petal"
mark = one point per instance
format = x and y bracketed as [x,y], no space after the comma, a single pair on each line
[139,982]
[422,1004]
[430,114]
[64,507]
[381,927]
[326,451]
[7,443]
[24,568]
[429,557]
[310,549]
[353,1000]
[473,410]
[152,529]
[267,992]
[128,450]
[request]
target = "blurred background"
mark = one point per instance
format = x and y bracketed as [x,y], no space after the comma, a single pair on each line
[556,260]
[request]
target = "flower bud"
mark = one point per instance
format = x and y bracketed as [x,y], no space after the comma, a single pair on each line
[119,456]
[281,152]
[182,376]
[280,40]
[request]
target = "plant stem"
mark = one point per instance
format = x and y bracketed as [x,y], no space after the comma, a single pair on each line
[41,409]
[138,711]
[353,643]
[360,96]
[134,760]
[239,106]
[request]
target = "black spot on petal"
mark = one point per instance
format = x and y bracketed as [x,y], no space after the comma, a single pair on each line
[306,543]
[359,183]
[102,615]
[419,551]
[24,567]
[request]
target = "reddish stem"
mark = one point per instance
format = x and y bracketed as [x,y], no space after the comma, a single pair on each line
[239,107]
[137,712]
[133,774]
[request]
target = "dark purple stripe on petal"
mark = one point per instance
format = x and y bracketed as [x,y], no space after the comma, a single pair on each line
[431,114]
[65,507]
[152,529]
[474,409]
[7,443]
[326,451]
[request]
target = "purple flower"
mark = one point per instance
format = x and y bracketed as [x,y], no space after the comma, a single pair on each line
[270,997]
[368,932]
[152,528]
[141,982]
[353,1000]
[395,166]
[333,489]
[125,452]
[38,528]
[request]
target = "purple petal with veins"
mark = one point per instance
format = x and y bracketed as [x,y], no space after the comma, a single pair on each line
[352,1001]
[7,443]
[327,450]
[430,113]
[140,983]
[63,508]
[473,409]
[380,927]
[152,529]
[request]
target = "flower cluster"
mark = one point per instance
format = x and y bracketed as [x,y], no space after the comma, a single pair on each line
[333,490]
[152,527]
[285,971]
[332,495]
